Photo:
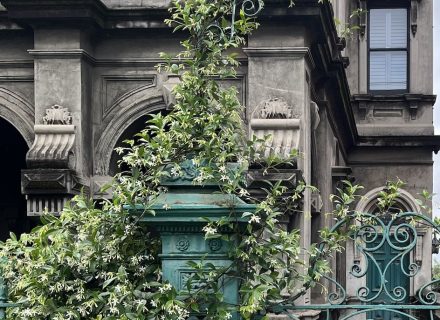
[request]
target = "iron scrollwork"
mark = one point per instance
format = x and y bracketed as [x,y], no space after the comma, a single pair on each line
[250,9]
[371,234]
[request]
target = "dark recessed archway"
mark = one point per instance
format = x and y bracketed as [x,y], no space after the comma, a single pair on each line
[13,217]
[129,134]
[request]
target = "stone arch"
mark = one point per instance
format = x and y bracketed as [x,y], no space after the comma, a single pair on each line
[150,100]
[405,201]
[19,112]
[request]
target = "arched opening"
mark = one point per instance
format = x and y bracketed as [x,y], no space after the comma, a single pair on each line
[386,254]
[13,216]
[129,134]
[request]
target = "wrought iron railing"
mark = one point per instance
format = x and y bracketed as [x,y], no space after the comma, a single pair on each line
[4,299]
[372,234]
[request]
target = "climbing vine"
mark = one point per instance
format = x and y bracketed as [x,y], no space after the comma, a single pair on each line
[96,261]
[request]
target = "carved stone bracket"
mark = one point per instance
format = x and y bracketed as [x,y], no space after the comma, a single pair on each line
[50,180]
[362,106]
[278,119]
[53,147]
[362,17]
[316,202]
[413,106]
[414,12]
[167,89]
[54,140]
[341,43]
[340,173]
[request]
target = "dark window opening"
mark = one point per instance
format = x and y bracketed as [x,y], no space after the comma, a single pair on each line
[129,134]
[13,213]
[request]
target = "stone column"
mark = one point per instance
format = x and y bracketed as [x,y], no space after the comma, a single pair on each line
[59,161]
[62,65]
[278,70]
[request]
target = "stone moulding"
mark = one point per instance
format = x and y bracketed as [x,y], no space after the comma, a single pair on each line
[19,112]
[167,89]
[53,146]
[366,102]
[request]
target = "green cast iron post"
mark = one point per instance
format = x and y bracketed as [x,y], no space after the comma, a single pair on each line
[3,298]
[180,215]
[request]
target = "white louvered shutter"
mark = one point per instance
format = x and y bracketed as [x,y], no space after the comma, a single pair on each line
[388,30]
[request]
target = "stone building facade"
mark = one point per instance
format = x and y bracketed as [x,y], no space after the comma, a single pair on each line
[77,77]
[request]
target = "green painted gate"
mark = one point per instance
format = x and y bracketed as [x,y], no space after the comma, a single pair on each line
[386,246]
[395,279]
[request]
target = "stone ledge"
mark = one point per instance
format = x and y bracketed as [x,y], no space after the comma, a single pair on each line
[303,315]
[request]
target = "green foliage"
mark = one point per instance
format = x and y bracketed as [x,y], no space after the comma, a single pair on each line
[87,264]
[436,275]
[100,264]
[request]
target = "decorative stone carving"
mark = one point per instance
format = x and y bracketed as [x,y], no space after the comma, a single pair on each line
[414,9]
[49,189]
[215,244]
[167,89]
[316,202]
[362,17]
[38,205]
[274,108]
[53,146]
[275,117]
[57,115]
[50,181]
[54,141]
[182,244]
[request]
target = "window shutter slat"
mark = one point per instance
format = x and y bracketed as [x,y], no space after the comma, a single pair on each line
[397,70]
[399,28]
[388,30]
[378,70]
[378,34]
[388,70]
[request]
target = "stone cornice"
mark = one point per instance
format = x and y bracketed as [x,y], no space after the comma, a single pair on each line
[83,13]
[429,142]
[87,56]
[19,63]
[298,52]
[62,54]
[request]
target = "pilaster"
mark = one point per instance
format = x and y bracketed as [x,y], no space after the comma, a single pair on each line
[281,73]
[62,78]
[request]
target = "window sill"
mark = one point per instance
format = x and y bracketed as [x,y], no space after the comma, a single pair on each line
[412,100]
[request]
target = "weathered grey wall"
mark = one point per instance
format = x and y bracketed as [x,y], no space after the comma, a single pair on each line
[108,80]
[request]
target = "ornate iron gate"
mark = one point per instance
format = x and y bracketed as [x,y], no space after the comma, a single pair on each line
[386,245]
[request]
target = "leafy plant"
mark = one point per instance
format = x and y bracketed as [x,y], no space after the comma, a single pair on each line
[93,263]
